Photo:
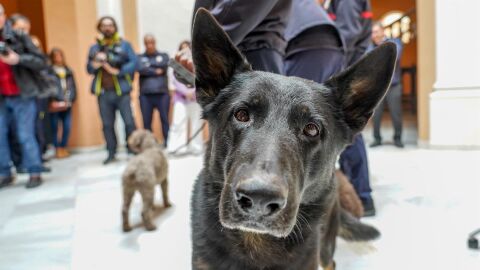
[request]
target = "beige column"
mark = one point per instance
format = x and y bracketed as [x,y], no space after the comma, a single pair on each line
[426,64]
[70,25]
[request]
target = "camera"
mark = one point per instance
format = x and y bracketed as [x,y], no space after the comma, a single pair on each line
[101,58]
[3,48]
[111,55]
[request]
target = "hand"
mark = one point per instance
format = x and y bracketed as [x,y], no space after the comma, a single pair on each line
[96,64]
[12,58]
[190,96]
[159,71]
[110,69]
[184,57]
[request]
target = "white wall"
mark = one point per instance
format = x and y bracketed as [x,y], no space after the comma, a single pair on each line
[458,43]
[168,20]
[455,101]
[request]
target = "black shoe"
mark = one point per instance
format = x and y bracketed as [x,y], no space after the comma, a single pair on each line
[110,159]
[368,208]
[6,181]
[46,169]
[34,181]
[376,143]
[398,144]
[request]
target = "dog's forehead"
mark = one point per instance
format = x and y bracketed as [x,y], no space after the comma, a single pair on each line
[258,84]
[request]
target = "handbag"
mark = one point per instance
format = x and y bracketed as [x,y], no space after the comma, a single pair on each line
[57,106]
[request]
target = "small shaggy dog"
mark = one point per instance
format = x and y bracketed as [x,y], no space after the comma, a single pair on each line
[143,173]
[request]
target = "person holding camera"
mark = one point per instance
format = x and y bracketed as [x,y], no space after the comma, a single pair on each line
[152,67]
[112,62]
[20,62]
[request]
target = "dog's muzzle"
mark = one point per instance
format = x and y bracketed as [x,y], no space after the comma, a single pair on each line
[259,197]
[257,202]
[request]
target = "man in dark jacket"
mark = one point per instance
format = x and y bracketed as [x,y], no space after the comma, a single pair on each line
[152,66]
[353,19]
[255,27]
[112,62]
[20,62]
[394,94]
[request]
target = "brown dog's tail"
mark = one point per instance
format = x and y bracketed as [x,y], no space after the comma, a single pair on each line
[352,229]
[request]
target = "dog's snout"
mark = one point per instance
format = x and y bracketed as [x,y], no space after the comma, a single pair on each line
[259,200]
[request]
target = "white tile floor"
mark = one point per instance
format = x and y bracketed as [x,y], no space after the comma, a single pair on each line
[427,202]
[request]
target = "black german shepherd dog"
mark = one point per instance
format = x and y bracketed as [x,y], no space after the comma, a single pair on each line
[266,198]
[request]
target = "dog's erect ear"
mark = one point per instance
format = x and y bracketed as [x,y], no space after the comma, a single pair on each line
[360,88]
[215,57]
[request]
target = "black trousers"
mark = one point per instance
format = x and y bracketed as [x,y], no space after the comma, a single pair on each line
[161,102]
[394,102]
[109,102]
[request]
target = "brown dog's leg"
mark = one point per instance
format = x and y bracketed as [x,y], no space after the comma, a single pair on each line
[127,200]
[328,236]
[164,186]
[148,192]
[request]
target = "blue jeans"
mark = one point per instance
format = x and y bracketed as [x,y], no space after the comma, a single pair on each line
[66,119]
[23,113]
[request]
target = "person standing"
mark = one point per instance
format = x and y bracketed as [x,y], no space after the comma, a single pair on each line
[394,94]
[186,117]
[67,92]
[112,63]
[152,67]
[20,61]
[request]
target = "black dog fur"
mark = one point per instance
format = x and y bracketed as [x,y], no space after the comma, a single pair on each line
[275,138]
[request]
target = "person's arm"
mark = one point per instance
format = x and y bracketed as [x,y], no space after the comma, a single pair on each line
[33,58]
[399,45]
[129,66]
[239,17]
[92,65]
[143,69]
[73,93]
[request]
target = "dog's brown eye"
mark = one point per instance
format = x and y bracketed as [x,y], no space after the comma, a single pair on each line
[242,115]
[311,130]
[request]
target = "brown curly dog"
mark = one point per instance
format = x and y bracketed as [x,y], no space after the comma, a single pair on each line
[143,172]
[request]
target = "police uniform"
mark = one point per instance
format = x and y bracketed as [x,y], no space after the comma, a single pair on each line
[255,27]
[315,49]
[154,89]
[354,21]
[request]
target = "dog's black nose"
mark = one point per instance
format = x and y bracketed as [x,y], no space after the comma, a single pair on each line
[257,199]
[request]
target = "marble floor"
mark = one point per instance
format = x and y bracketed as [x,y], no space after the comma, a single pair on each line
[427,202]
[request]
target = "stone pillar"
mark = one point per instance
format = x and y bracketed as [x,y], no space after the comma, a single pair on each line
[70,25]
[425,64]
[455,101]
